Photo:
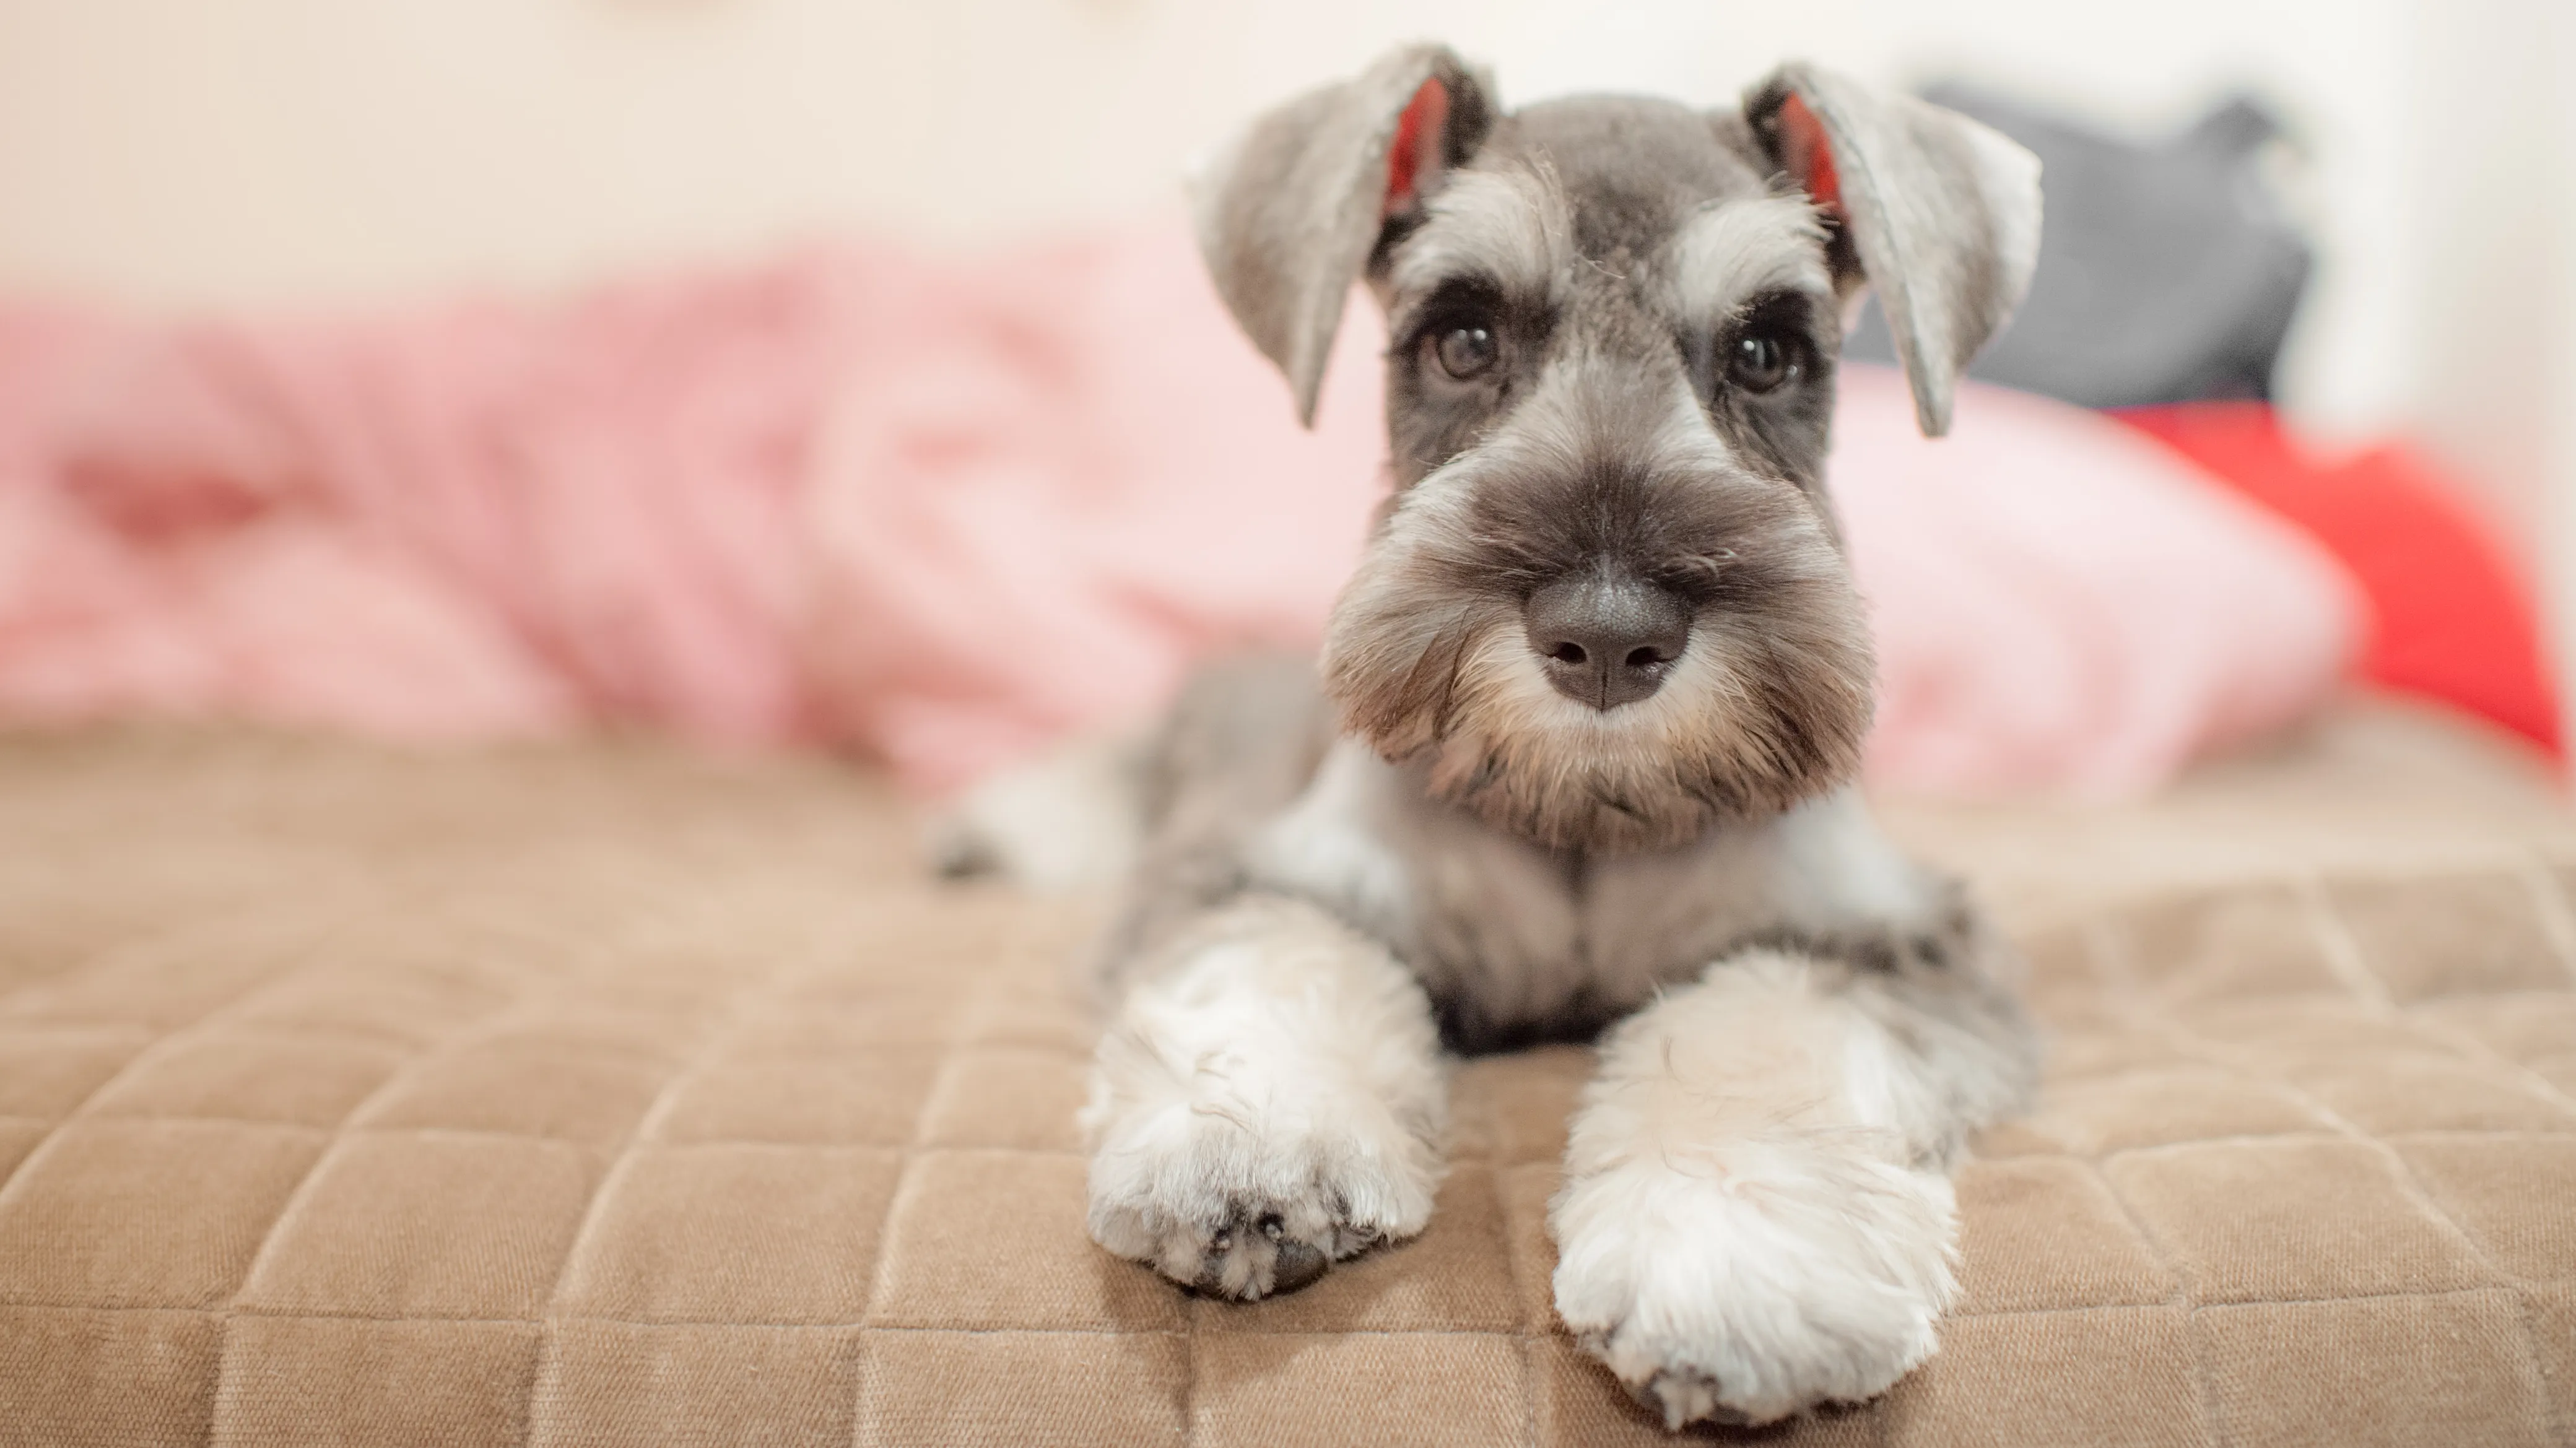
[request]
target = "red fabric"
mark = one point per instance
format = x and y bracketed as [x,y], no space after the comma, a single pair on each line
[2453,619]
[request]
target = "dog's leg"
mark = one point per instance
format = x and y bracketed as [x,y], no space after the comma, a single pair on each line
[1757,1214]
[1072,819]
[1238,744]
[1269,1097]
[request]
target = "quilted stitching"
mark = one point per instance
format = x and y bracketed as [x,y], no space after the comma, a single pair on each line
[599,1097]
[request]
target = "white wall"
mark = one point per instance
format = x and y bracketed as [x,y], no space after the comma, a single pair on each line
[2492,179]
[177,151]
[181,152]
[2550,310]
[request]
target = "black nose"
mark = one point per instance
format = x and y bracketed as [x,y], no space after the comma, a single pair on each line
[1606,640]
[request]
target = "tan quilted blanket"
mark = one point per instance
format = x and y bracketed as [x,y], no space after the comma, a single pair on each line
[605,1097]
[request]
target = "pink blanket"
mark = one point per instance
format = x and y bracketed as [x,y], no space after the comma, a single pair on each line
[944,512]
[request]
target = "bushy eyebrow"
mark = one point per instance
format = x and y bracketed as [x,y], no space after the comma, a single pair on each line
[1509,228]
[1730,253]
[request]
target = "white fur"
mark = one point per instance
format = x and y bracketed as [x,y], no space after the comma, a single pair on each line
[1485,914]
[1284,1067]
[1733,251]
[1509,226]
[1744,1231]
[1336,836]
[1435,885]
[1066,821]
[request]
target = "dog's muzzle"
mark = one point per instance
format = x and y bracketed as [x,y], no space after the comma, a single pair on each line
[1605,639]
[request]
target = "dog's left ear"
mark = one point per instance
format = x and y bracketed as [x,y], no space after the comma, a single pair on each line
[1939,213]
[1290,213]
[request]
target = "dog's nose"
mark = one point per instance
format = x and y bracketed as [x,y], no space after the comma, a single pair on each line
[1604,640]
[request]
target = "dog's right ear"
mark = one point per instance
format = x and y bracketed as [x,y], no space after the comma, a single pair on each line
[1290,212]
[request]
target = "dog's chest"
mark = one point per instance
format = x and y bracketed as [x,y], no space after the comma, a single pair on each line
[1514,938]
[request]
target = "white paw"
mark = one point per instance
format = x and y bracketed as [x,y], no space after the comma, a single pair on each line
[1751,1281]
[1069,820]
[1214,1207]
[1272,1105]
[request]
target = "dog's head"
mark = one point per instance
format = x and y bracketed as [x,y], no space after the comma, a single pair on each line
[1607,606]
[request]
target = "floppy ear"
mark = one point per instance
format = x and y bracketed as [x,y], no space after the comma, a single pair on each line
[1290,212]
[1940,213]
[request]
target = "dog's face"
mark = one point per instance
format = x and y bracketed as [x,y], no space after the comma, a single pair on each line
[1606,607]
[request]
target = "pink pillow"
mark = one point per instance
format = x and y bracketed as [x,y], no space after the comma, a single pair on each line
[2061,605]
[945,511]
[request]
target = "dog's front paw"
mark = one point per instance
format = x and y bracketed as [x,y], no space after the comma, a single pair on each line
[1219,1205]
[1753,1281]
[1271,1102]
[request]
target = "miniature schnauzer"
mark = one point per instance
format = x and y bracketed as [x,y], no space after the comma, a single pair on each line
[1580,747]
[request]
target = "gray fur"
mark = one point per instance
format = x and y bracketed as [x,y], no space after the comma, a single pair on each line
[1289,212]
[1608,231]
[1432,824]
[1943,212]
[1240,745]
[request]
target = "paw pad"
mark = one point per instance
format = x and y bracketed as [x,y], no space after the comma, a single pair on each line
[1680,1396]
[1251,1255]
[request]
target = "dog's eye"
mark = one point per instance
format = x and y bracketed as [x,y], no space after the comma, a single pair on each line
[1762,362]
[1466,352]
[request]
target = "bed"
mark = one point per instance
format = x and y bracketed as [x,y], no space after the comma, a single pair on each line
[609,1094]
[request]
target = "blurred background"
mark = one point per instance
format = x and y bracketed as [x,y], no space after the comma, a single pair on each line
[274,156]
[294,150]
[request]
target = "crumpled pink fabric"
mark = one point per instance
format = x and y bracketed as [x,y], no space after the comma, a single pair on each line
[944,512]
[2063,605]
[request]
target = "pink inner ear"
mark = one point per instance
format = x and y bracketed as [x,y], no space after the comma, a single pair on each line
[1810,154]
[1415,157]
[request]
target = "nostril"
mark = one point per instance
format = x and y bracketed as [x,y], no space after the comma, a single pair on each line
[1606,639]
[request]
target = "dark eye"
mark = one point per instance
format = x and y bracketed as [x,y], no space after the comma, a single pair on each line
[1762,362]
[1466,352]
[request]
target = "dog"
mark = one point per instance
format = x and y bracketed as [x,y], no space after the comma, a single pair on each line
[1578,756]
